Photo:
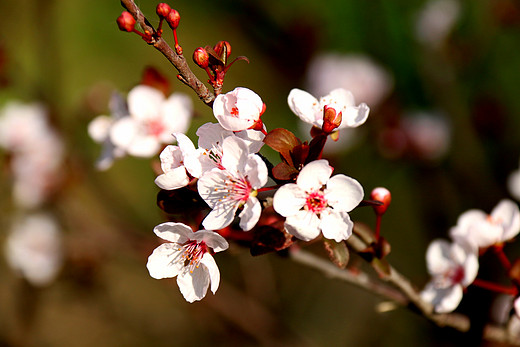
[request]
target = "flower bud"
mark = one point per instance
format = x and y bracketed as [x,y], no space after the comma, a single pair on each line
[382,195]
[126,22]
[163,10]
[220,48]
[173,18]
[201,57]
[331,119]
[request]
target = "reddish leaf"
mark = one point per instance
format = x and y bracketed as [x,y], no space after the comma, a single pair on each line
[153,78]
[338,252]
[282,141]
[284,172]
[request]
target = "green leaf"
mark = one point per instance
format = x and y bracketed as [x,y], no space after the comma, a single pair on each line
[338,252]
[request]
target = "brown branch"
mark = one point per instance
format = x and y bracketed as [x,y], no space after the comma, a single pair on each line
[177,60]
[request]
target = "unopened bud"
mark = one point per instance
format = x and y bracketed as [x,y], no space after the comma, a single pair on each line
[126,22]
[382,195]
[201,57]
[173,18]
[331,119]
[223,50]
[163,10]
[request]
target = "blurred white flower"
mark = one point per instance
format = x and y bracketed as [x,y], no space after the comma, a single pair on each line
[34,248]
[151,121]
[187,256]
[367,81]
[453,266]
[232,186]
[436,20]
[37,152]
[428,134]
[239,109]
[317,202]
[513,184]
[479,229]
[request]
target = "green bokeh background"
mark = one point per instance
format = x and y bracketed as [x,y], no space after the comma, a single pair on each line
[70,55]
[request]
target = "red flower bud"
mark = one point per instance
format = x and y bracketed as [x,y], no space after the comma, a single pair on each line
[163,10]
[220,48]
[201,57]
[126,22]
[382,195]
[173,18]
[331,120]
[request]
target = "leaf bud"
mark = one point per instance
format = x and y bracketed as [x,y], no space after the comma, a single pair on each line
[223,50]
[126,22]
[331,119]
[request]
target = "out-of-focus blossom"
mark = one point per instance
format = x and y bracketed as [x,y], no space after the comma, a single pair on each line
[311,110]
[240,109]
[513,184]
[435,21]
[37,152]
[516,305]
[317,202]
[367,81]
[188,256]
[151,121]
[453,266]
[233,186]
[428,135]
[34,248]
[481,230]
[99,131]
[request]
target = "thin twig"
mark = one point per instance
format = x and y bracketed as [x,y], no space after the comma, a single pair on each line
[177,60]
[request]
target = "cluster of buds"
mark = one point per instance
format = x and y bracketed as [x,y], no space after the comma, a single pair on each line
[126,22]
[214,60]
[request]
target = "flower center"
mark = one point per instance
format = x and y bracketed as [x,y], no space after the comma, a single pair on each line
[316,202]
[234,111]
[239,188]
[494,220]
[155,127]
[192,252]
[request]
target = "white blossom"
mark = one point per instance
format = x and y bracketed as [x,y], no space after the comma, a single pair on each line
[151,121]
[311,110]
[188,256]
[233,185]
[435,21]
[34,248]
[317,202]
[453,266]
[239,109]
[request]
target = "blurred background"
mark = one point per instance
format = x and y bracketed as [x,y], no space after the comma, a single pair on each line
[441,79]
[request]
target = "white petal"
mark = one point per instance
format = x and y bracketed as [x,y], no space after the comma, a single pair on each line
[234,154]
[194,286]
[314,175]
[99,128]
[508,214]
[184,143]
[173,179]
[250,214]
[253,138]
[304,225]
[165,261]
[173,232]
[143,146]
[438,257]
[343,193]
[305,106]
[256,171]
[336,225]
[212,240]
[220,217]
[444,300]
[171,158]
[123,132]
[516,305]
[353,117]
[289,199]
[145,102]
[214,274]
[176,112]
[212,134]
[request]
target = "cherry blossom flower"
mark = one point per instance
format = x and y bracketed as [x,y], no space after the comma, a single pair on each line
[33,248]
[481,230]
[341,101]
[436,20]
[188,256]
[99,130]
[232,186]
[151,121]
[513,184]
[317,202]
[453,266]
[239,110]
[37,152]
[367,81]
